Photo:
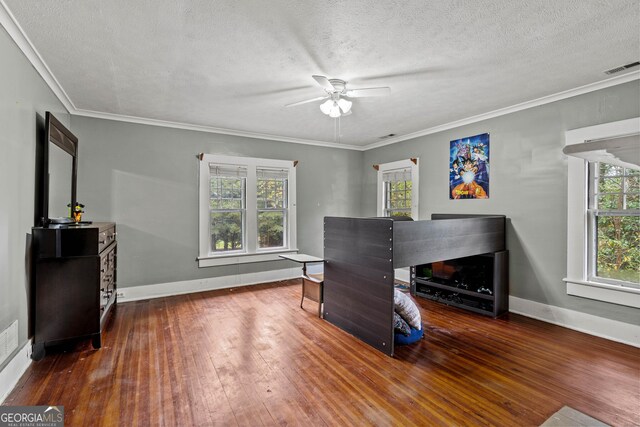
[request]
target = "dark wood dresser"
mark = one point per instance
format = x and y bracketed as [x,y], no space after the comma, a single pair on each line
[74,283]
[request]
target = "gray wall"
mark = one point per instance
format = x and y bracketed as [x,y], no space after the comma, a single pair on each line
[145,178]
[24,98]
[528,184]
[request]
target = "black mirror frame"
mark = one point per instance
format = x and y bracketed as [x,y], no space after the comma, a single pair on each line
[58,134]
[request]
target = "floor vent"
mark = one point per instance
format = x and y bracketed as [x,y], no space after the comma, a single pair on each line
[8,341]
[622,68]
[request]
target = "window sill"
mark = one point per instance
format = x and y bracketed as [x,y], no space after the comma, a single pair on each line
[615,294]
[213,261]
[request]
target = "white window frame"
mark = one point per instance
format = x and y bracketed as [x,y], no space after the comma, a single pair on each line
[285,216]
[400,164]
[251,252]
[578,281]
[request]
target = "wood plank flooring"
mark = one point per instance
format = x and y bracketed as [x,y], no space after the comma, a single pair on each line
[250,356]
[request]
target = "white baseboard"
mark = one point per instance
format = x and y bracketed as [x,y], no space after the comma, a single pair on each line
[136,293]
[11,373]
[613,330]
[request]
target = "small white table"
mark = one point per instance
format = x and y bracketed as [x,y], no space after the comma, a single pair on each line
[312,284]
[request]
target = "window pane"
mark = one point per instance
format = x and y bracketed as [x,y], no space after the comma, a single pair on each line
[618,248]
[226,231]
[610,170]
[610,185]
[397,198]
[271,194]
[610,201]
[226,193]
[633,201]
[632,183]
[270,229]
[261,193]
[400,213]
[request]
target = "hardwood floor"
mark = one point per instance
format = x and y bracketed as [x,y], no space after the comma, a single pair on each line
[251,356]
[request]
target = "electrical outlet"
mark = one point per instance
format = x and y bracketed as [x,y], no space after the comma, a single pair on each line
[120,294]
[8,341]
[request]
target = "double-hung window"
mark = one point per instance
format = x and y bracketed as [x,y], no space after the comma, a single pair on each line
[247,209]
[398,188]
[227,208]
[272,207]
[614,224]
[603,227]
[397,192]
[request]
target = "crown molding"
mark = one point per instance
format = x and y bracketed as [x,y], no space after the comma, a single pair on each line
[15,31]
[211,129]
[591,87]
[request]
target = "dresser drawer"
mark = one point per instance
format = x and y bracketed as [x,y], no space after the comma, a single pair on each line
[106,237]
[107,275]
[107,266]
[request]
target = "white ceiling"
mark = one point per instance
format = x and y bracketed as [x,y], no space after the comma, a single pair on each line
[234,64]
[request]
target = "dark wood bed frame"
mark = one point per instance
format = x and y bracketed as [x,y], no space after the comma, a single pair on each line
[361,255]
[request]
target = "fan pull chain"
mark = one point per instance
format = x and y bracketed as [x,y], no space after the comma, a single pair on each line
[337,129]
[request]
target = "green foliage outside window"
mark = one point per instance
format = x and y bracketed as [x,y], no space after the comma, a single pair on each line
[617,223]
[398,198]
[227,210]
[226,231]
[226,213]
[271,229]
[272,203]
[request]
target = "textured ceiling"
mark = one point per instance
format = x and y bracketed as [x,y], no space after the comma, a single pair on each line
[235,64]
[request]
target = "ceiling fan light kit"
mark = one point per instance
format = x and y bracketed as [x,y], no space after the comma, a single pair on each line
[345,105]
[335,104]
[326,106]
[335,108]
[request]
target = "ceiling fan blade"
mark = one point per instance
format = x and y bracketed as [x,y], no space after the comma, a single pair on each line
[324,83]
[370,91]
[306,101]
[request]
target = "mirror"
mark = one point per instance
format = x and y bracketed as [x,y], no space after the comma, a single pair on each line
[60,181]
[57,171]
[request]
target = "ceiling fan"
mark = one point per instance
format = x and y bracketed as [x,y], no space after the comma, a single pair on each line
[336,90]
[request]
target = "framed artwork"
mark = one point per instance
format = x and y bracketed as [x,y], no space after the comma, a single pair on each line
[469,168]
